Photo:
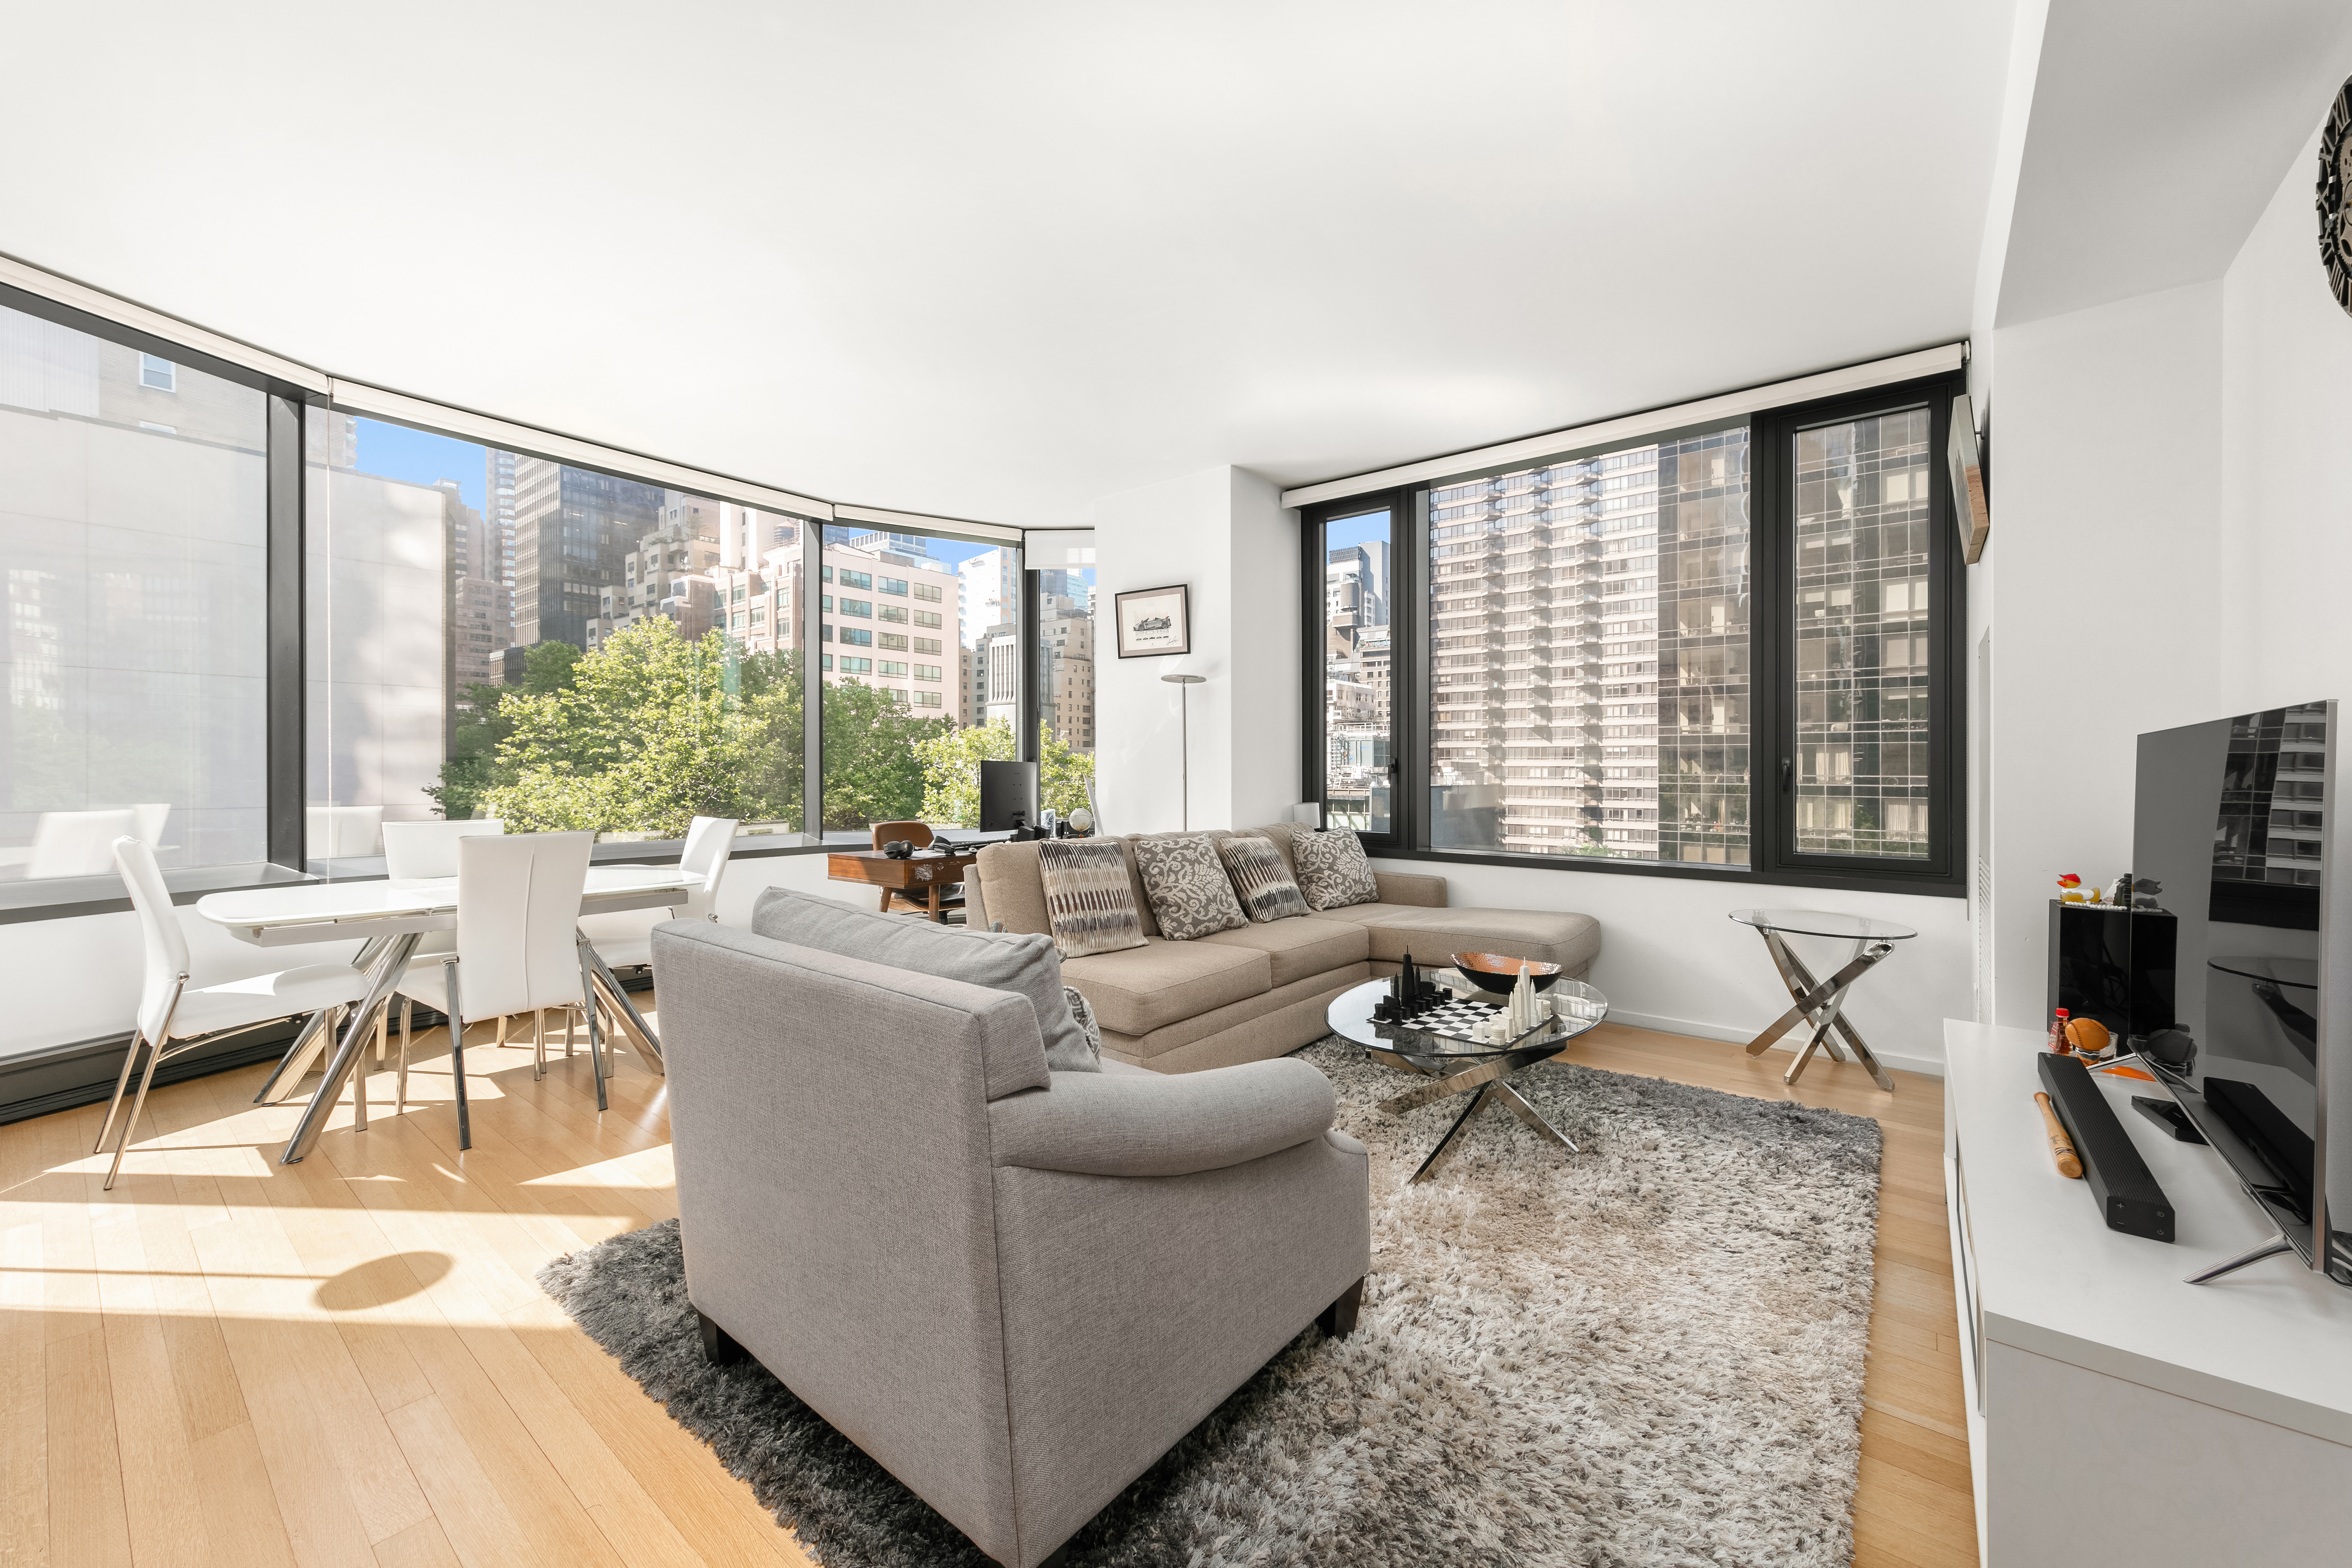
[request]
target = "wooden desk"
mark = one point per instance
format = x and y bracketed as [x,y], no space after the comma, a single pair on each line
[924,878]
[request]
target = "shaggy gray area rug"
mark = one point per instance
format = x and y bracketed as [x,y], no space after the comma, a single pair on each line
[1649,1353]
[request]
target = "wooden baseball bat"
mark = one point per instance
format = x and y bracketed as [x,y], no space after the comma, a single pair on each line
[2061,1148]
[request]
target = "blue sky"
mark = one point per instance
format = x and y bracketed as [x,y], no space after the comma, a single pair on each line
[399,453]
[1342,531]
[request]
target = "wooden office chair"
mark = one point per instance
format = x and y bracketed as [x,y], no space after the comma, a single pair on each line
[917,833]
[518,910]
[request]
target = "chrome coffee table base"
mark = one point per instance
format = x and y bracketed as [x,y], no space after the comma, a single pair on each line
[1482,1082]
[1821,1004]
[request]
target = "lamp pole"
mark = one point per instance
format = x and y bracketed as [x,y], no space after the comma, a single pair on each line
[1184,684]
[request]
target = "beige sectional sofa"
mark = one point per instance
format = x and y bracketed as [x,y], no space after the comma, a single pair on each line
[1248,994]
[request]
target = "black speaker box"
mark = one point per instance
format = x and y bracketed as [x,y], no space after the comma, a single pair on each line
[2129,1199]
[2113,964]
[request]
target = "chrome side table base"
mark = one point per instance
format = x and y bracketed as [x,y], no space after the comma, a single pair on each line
[1482,1082]
[1822,1005]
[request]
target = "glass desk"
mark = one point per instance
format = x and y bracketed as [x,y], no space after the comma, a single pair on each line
[1822,1002]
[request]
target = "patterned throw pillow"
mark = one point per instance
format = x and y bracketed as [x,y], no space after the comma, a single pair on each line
[1083,1011]
[1089,902]
[1260,876]
[1186,884]
[1332,871]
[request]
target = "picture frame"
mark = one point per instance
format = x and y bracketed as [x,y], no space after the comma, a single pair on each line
[1970,507]
[1154,622]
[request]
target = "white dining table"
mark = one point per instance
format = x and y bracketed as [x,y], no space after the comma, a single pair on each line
[389,920]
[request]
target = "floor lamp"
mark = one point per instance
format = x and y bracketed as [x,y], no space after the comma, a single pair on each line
[1184,684]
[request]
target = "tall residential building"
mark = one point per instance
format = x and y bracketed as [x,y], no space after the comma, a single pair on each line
[498,506]
[891,620]
[481,622]
[1589,676]
[575,531]
[1065,673]
[990,590]
[1355,585]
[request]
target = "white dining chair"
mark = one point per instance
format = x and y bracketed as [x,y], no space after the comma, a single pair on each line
[518,905]
[427,851]
[174,1018]
[626,940]
[78,843]
[341,832]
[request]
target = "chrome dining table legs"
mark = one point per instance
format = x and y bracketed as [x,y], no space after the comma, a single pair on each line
[390,965]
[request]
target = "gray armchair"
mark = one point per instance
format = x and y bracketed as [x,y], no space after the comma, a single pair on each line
[1013,1288]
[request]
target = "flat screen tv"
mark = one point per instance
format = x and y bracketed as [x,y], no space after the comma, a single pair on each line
[2235,821]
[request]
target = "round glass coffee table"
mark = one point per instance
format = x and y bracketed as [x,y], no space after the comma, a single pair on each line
[1460,1067]
[1822,1002]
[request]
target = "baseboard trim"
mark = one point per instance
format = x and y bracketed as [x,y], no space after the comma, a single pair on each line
[83,1073]
[1933,1067]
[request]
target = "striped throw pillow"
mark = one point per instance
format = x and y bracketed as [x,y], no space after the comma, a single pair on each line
[1264,883]
[1089,902]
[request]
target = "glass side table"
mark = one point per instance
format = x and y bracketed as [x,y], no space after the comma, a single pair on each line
[1822,1002]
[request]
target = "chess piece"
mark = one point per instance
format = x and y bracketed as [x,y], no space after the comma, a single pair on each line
[1523,1003]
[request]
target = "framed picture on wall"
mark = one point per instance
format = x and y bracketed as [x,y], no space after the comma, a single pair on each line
[1155,621]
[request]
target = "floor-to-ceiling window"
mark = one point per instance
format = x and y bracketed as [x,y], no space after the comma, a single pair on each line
[133,538]
[494,634]
[1719,647]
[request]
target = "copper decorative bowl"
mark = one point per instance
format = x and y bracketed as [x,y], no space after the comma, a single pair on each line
[1498,973]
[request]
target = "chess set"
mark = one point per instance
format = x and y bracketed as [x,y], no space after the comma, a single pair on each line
[1416,1003]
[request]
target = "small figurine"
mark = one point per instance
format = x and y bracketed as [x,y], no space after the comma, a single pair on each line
[2145,890]
[2067,884]
[2058,1041]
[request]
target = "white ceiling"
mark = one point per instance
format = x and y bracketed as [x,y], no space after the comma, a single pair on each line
[995,261]
[2159,131]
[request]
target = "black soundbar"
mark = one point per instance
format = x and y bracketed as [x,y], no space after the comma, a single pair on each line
[2129,1199]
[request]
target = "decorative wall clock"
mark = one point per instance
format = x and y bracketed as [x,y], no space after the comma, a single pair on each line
[2335,183]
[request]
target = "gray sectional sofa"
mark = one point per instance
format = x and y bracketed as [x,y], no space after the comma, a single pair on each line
[1262,991]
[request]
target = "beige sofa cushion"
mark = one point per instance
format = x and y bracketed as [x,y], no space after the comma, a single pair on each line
[1137,989]
[1301,948]
[1012,888]
[1433,936]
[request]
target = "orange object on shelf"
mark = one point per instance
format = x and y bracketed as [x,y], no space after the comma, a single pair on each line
[2087,1035]
[2128,1072]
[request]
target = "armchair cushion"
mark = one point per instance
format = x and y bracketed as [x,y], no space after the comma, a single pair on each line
[1103,1124]
[1026,965]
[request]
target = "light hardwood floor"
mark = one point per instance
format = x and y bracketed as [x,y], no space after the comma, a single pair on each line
[346,1362]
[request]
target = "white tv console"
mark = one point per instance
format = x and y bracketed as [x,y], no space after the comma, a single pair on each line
[2117,1416]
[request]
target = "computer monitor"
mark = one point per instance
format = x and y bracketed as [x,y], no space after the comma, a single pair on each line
[1008,796]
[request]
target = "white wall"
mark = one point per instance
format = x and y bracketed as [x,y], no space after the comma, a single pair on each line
[2104,566]
[1672,958]
[2287,507]
[1224,532]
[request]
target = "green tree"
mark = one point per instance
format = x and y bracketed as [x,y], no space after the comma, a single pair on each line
[873,763]
[950,764]
[480,726]
[650,731]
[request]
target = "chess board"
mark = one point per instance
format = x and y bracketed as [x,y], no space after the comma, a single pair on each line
[1459,1020]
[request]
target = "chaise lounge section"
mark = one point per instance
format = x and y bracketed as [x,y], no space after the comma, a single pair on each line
[1264,990]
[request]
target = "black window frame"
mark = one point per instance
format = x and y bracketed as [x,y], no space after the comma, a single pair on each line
[1314,575]
[1772,859]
